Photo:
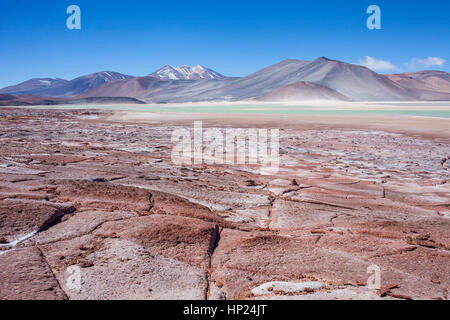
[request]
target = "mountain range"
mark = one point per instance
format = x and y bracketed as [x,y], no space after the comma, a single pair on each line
[288,80]
[60,88]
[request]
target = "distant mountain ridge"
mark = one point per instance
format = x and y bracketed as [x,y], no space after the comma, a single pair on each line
[29,100]
[289,80]
[320,79]
[426,83]
[60,88]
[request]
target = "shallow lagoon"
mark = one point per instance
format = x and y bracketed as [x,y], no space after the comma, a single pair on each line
[434,110]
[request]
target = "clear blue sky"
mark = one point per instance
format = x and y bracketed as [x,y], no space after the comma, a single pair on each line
[233,37]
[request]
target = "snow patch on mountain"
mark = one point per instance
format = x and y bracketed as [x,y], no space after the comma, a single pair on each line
[45,82]
[186,73]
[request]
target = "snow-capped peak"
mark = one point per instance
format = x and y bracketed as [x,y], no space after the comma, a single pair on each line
[46,82]
[186,73]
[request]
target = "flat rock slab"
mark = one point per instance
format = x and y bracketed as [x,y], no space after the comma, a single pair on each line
[20,171]
[25,275]
[166,203]
[79,224]
[291,215]
[337,294]
[126,271]
[21,217]
[360,188]
[258,216]
[243,260]
[115,197]
[106,196]
[214,199]
[181,238]
[286,287]
[57,159]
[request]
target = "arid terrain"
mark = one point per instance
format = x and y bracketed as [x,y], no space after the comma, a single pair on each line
[98,190]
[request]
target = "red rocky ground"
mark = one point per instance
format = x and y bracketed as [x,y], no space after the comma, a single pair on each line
[79,189]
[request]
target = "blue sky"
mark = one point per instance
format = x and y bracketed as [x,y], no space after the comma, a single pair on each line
[232,37]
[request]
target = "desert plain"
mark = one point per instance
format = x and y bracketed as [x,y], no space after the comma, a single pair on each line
[92,192]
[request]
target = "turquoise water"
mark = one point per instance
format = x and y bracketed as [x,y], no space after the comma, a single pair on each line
[427,111]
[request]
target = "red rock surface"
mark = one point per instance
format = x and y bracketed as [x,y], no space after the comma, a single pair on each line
[104,196]
[26,276]
[19,217]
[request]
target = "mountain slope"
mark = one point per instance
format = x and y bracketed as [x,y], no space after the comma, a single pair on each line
[131,87]
[427,85]
[33,85]
[63,88]
[262,81]
[151,89]
[302,91]
[424,80]
[352,81]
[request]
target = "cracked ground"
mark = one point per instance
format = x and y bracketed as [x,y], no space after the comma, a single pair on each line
[84,189]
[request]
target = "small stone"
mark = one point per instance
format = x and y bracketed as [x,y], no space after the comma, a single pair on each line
[435,280]
[399,296]
[384,291]
[86,264]
[250,183]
